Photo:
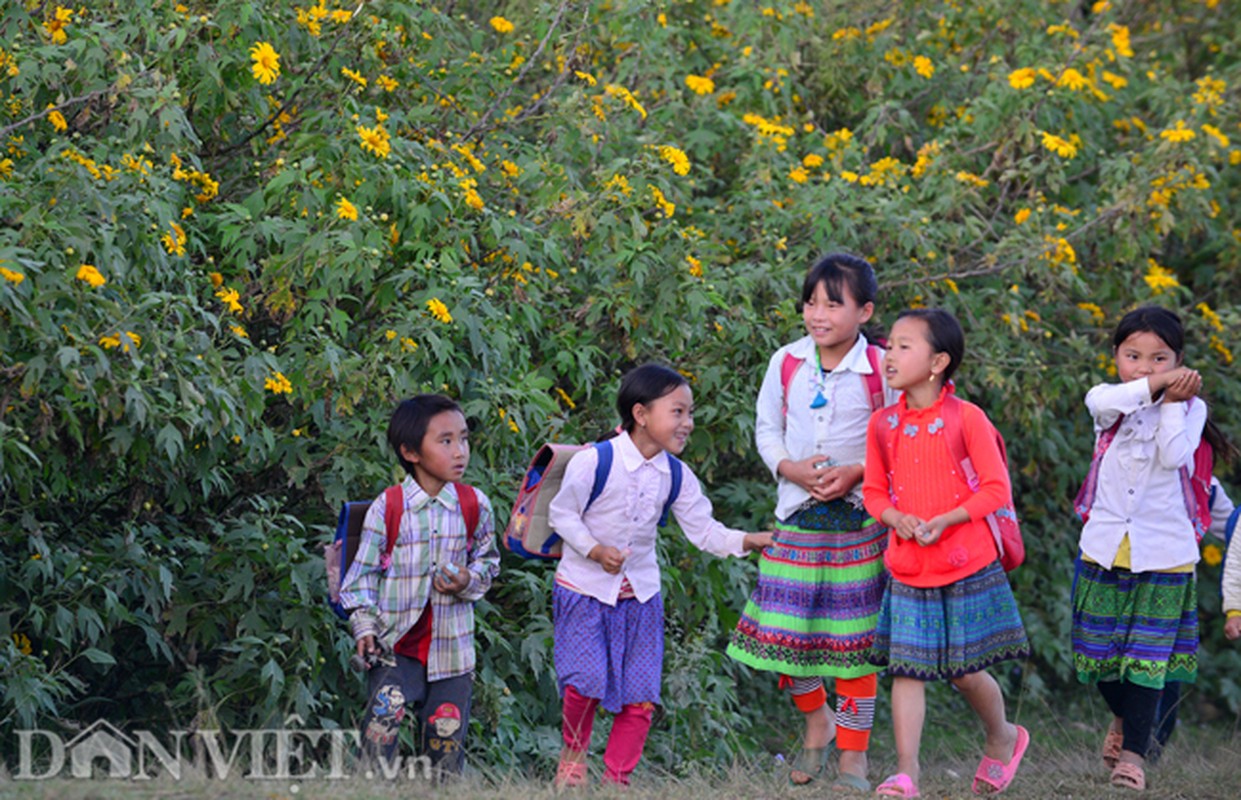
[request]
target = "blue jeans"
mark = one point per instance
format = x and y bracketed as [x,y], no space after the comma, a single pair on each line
[441,707]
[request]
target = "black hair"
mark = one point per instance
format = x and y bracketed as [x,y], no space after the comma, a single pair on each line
[1152,319]
[836,271]
[645,385]
[1167,325]
[944,334]
[409,422]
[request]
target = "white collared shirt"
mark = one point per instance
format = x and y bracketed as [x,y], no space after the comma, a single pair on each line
[836,431]
[626,516]
[1139,490]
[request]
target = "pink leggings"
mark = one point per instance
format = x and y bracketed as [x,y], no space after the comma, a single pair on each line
[625,743]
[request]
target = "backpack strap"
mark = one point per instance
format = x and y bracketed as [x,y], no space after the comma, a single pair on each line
[602,467]
[468,498]
[788,368]
[1231,526]
[874,381]
[675,467]
[394,507]
[1090,485]
[955,423]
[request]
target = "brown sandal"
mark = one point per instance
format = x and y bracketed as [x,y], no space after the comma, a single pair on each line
[1129,776]
[1112,744]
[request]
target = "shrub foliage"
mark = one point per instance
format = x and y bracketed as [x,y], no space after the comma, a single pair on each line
[235,234]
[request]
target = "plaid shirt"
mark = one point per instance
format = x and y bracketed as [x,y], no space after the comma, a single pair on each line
[387,604]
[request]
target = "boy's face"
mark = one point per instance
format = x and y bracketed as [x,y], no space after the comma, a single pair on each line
[444,453]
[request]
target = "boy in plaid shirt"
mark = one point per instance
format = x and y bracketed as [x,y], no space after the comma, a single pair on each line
[413,614]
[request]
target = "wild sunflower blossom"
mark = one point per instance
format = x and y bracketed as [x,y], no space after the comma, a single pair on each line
[1021,78]
[266,66]
[277,383]
[88,274]
[12,277]
[346,210]
[924,67]
[174,240]
[677,158]
[58,120]
[230,298]
[56,24]
[375,140]
[1073,80]
[699,84]
[501,25]
[438,310]
[124,342]
[1159,278]
[1060,146]
[1177,134]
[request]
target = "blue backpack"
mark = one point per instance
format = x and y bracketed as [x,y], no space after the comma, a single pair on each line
[529,533]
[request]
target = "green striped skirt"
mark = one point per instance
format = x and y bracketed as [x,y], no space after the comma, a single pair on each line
[819,588]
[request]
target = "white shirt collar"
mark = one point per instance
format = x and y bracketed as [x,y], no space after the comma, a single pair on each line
[854,361]
[632,458]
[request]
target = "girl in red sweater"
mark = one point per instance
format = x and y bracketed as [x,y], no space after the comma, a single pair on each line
[948,612]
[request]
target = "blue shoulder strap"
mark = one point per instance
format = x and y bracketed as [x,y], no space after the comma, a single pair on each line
[602,467]
[674,466]
[1231,526]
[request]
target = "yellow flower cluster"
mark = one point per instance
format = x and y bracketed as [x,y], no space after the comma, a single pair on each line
[620,183]
[12,277]
[1021,78]
[8,63]
[1210,316]
[1165,187]
[266,66]
[438,310]
[676,157]
[1217,344]
[123,341]
[1064,148]
[1096,313]
[208,187]
[346,210]
[57,119]
[354,76]
[970,179]
[89,275]
[1178,133]
[926,155]
[1210,92]
[467,152]
[695,266]
[55,25]
[1120,40]
[1021,216]
[501,25]
[769,129]
[699,84]
[1216,135]
[311,18]
[564,398]
[586,76]
[1059,251]
[924,67]
[174,239]
[799,175]
[21,640]
[1160,279]
[612,90]
[231,299]
[277,383]
[375,140]
[666,206]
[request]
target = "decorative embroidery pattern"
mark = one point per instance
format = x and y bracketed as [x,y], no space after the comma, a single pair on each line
[936,426]
[911,430]
[893,420]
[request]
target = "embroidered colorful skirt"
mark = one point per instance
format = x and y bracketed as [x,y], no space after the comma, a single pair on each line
[819,587]
[949,631]
[612,653]
[1140,627]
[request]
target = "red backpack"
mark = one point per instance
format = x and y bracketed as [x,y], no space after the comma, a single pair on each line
[1003,522]
[873,381]
[1195,488]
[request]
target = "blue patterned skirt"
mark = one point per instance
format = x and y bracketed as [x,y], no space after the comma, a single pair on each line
[612,653]
[949,631]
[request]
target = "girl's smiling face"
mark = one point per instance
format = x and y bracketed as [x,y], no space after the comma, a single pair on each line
[665,423]
[834,324]
[910,359]
[1144,354]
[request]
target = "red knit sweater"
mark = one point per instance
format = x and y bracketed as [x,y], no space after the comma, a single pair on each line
[926,482]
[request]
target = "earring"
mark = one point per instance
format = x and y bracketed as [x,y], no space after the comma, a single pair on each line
[931,379]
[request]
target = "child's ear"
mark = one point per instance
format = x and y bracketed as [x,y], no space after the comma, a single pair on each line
[410,454]
[867,311]
[939,363]
[639,415]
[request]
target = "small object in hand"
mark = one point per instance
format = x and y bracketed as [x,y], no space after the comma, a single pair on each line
[363,662]
[449,569]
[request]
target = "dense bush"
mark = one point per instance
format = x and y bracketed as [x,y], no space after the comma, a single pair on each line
[235,234]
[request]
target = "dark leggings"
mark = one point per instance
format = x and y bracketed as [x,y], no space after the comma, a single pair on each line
[1136,706]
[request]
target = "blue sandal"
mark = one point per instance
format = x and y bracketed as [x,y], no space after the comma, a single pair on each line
[811,761]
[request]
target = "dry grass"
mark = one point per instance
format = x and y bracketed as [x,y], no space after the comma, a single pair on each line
[1201,762]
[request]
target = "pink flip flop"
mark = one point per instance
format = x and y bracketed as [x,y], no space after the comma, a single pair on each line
[994,776]
[898,785]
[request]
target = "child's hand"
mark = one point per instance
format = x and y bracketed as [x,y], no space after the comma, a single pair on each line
[1232,628]
[449,578]
[758,541]
[805,474]
[928,533]
[906,526]
[836,481]
[1186,384]
[609,558]
[367,645]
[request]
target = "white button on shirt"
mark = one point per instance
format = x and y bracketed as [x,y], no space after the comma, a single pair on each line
[626,516]
[1139,490]
[836,430]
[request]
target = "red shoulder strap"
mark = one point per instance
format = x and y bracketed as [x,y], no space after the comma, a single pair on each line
[788,367]
[468,498]
[874,381]
[955,424]
[394,507]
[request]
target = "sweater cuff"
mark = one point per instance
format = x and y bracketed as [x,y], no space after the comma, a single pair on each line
[1236,612]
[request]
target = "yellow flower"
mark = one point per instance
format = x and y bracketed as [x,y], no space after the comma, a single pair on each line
[1072,79]
[799,175]
[1210,316]
[174,240]
[501,25]
[356,77]
[1159,278]
[972,179]
[1114,80]
[1061,147]
[1096,313]
[586,76]
[1059,251]
[669,208]
[266,66]
[1120,40]
[239,331]
[564,396]
[439,310]
[12,277]
[346,210]
[55,25]
[277,383]
[620,183]
[1216,134]
[88,274]
[375,140]
[626,96]
[695,266]
[510,169]
[1212,555]
[386,83]
[849,175]
[111,342]
[699,84]
[924,67]
[1178,134]
[20,639]
[230,298]
[812,161]
[1021,216]
[58,120]
[1217,344]
[677,158]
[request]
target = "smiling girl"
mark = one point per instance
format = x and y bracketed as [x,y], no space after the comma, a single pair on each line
[607,609]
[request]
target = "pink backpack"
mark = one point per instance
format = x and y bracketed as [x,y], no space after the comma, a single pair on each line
[873,381]
[1196,488]
[1003,522]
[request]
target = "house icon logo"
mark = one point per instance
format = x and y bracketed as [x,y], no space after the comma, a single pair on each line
[101,741]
